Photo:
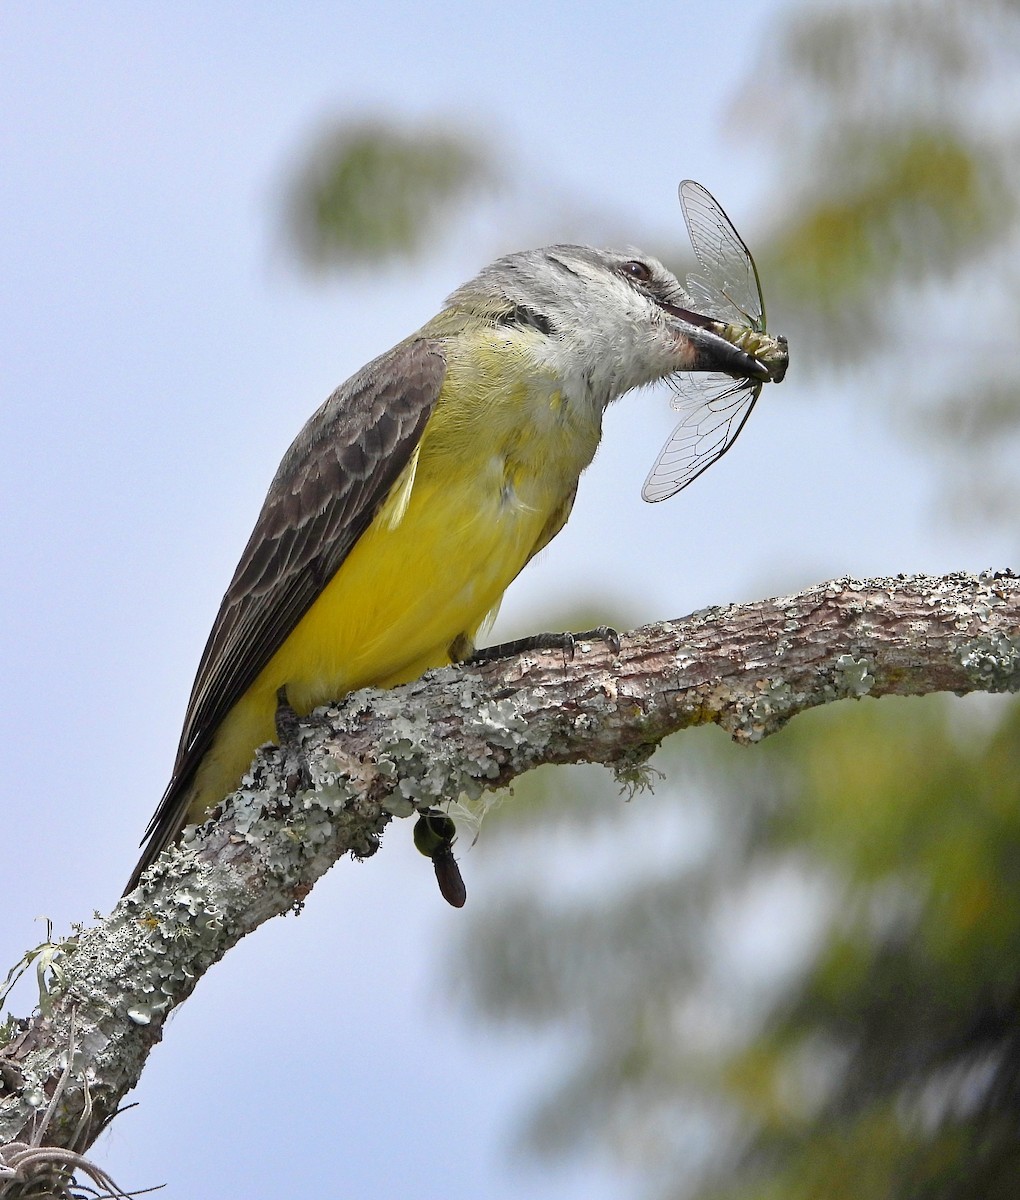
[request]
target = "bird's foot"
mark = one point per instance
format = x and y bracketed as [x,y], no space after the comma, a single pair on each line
[565,642]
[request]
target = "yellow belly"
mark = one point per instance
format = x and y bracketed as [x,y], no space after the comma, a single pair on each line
[404,594]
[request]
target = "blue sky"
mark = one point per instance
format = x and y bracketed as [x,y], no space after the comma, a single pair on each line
[158,353]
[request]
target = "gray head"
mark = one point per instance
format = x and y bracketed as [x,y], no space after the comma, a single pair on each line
[614,319]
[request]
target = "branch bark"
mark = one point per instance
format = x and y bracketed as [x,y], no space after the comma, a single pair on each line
[462,730]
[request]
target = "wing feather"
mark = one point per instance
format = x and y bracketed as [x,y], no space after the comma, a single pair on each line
[330,484]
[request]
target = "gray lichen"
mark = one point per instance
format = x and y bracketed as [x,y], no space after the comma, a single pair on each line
[853,676]
[993,660]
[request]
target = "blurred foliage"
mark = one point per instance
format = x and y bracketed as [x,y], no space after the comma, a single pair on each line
[894,124]
[918,206]
[822,1001]
[368,192]
[896,129]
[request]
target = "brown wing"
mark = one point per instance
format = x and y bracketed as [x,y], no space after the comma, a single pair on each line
[329,486]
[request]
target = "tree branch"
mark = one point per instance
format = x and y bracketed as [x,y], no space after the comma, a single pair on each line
[749,668]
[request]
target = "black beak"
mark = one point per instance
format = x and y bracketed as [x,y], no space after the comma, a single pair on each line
[708,350]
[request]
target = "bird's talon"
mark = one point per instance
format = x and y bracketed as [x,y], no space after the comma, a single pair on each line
[604,633]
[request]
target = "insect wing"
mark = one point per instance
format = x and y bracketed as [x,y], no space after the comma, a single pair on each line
[730,289]
[714,409]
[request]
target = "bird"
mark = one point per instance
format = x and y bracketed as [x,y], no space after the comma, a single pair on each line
[418,491]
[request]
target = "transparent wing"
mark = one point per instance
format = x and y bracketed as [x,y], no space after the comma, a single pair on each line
[714,408]
[730,289]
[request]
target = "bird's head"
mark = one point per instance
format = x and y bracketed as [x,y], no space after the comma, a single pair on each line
[612,320]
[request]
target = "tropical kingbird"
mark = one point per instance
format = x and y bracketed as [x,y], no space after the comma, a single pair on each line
[418,491]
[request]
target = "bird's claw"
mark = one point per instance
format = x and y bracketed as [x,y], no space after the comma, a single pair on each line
[564,642]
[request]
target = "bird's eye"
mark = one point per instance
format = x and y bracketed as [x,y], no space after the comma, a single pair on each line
[638,271]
